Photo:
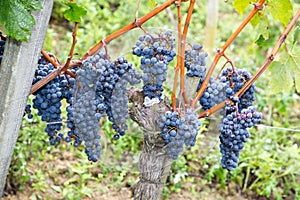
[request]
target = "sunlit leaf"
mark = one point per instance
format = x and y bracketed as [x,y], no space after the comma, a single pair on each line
[75,12]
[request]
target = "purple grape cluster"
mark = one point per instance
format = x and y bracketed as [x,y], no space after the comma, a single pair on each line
[48,101]
[156,52]
[178,130]
[234,133]
[85,112]
[195,62]
[112,83]
[119,101]
[234,80]
[213,94]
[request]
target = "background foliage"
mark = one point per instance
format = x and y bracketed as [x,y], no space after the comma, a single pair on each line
[269,164]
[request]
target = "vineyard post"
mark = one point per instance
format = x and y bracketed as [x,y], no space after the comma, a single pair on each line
[16,74]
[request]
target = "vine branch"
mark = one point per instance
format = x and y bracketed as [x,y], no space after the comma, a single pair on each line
[137,23]
[182,52]
[260,71]
[70,56]
[173,97]
[258,6]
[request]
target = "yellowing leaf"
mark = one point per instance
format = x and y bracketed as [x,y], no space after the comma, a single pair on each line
[241,5]
[281,80]
[151,4]
[281,10]
[294,63]
[286,72]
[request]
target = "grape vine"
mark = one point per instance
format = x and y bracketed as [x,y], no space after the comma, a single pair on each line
[95,87]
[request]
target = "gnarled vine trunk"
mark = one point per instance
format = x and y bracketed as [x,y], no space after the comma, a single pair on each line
[154,164]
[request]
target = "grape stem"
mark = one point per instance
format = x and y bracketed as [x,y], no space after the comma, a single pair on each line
[258,6]
[136,23]
[45,54]
[227,61]
[59,68]
[260,71]
[182,50]
[173,97]
[70,56]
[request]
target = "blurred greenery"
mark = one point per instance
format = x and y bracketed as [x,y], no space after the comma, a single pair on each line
[269,164]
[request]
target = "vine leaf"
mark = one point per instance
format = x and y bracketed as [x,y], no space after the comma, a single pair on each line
[151,4]
[241,5]
[261,31]
[31,4]
[17,20]
[75,12]
[281,10]
[286,73]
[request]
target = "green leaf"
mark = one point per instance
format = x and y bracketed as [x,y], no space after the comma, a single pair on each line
[75,12]
[281,10]
[241,5]
[294,63]
[286,72]
[264,42]
[262,28]
[56,188]
[281,80]
[31,4]
[151,4]
[17,20]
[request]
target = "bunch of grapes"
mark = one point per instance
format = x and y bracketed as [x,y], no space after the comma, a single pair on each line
[2,45]
[195,62]
[234,133]
[234,80]
[119,101]
[86,124]
[48,100]
[237,117]
[156,52]
[112,83]
[213,94]
[178,130]
[85,105]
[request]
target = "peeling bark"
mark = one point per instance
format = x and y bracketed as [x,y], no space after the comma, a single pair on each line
[154,164]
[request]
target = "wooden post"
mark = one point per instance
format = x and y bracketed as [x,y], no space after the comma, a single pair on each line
[16,75]
[211,25]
